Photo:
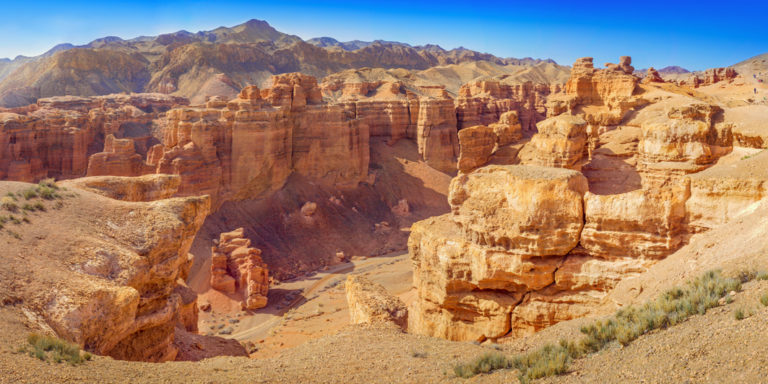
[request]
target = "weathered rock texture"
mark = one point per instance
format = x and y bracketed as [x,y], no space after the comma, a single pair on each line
[561,142]
[709,77]
[106,276]
[723,192]
[143,188]
[527,246]
[509,230]
[56,136]
[237,268]
[686,140]
[369,303]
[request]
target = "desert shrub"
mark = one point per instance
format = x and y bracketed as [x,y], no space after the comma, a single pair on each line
[762,275]
[13,219]
[28,207]
[483,364]
[764,299]
[9,204]
[549,360]
[38,205]
[57,350]
[48,183]
[29,194]
[626,325]
[739,314]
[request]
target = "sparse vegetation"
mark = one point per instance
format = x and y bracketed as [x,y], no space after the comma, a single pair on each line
[764,299]
[419,354]
[9,204]
[739,314]
[44,190]
[752,155]
[49,348]
[670,308]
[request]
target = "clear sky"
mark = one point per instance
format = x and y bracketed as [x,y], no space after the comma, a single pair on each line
[692,34]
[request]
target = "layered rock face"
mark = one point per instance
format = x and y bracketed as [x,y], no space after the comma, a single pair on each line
[55,137]
[709,77]
[640,224]
[369,303]
[721,193]
[684,141]
[119,158]
[527,246]
[476,147]
[508,232]
[560,142]
[143,188]
[236,267]
[110,281]
[483,102]
[249,146]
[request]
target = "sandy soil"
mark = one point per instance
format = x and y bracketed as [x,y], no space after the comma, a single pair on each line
[304,308]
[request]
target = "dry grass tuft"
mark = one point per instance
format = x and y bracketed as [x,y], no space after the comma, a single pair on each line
[672,307]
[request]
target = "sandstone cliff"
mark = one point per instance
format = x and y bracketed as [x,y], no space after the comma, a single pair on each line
[110,281]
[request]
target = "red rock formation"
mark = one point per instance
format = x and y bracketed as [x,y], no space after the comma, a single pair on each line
[561,142]
[652,76]
[119,158]
[709,77]
[483,102]
[55,137]
[476,146]
[237,268]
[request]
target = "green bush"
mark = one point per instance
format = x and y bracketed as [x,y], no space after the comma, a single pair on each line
[58,350]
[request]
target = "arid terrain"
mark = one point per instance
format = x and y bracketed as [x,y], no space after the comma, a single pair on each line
[241,205]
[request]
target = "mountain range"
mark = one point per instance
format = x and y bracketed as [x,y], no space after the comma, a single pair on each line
[216,62]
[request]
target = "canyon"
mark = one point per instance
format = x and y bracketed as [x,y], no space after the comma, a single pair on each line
[253,195]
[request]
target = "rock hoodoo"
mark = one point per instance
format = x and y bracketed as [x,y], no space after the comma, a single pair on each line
[236,268]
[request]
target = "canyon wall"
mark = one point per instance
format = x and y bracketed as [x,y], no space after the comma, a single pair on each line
[529,245]
[110,282]
[56,136]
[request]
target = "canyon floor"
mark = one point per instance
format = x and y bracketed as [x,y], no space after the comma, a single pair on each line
[711,348]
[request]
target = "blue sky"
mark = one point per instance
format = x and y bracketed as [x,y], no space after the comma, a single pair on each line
[695,35]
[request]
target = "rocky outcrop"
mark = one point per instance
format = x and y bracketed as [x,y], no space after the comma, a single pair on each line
[106,277]
[509,229]
[723,192]
[686,140]
[56,136]
[476,145]
[483,102]
[638,224]
[561,142]
[119,158]
[237,268]
[508,129]
[709,77]
[143,188]
[652,76]
[369,303]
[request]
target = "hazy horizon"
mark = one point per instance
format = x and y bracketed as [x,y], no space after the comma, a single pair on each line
[655,34]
